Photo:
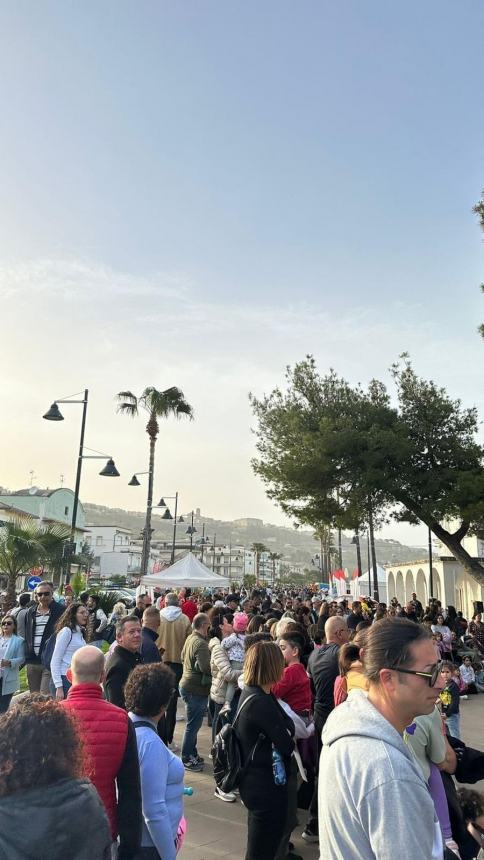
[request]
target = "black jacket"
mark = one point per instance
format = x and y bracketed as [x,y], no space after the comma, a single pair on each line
[54,822]
[264,722]
[323,670]
[149,651]
[56,610]
[354,618]
[119,666]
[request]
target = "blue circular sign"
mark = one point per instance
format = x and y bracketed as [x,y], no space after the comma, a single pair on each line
[33,582]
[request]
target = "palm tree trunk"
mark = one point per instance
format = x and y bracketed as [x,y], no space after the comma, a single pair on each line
[11,594]
[145,555]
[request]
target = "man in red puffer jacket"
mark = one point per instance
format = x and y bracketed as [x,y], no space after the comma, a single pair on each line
[188,605]
[110,749]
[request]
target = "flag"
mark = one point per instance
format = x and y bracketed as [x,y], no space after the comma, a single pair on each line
[355,573]
[338,574]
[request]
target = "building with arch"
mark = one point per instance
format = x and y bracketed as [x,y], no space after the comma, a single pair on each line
[451,584]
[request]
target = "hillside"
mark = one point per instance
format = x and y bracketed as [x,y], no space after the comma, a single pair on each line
[295,545]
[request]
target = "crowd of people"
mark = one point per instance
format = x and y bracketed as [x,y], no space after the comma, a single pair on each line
[345,714]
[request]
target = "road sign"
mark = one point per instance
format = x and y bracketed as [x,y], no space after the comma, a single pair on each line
[33,582]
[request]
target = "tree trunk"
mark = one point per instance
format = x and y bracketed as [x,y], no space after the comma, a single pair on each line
[11,593]
[145,555]
[376,593]
[451,541]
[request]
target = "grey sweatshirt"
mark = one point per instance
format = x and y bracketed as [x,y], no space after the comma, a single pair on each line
[373,800]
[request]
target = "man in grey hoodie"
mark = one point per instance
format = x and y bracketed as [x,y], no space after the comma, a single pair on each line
[174,629]
[374,803]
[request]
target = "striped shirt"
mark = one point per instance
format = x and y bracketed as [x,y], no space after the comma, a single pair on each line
[41,619]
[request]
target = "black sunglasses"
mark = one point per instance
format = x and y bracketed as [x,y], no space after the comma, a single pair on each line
[43,594]
[432,676]
[7,623]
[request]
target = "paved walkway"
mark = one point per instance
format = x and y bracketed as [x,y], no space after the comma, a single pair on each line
[217,829]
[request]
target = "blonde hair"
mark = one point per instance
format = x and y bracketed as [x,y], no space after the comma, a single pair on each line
[264,664]
[120,609]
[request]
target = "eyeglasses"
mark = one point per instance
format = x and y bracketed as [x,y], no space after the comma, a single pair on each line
[432,676]
[7,623]
[43,594]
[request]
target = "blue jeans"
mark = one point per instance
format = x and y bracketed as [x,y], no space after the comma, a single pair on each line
[453,725]
[196,710]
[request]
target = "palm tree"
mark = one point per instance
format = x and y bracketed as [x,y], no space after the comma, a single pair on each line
[158,404]
[328,552]
[23,545]
[257,549]
[274,556]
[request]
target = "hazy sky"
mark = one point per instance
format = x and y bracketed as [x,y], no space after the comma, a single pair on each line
[199,193]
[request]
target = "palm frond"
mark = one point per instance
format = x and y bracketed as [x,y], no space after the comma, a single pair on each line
[171,401]
[128,403]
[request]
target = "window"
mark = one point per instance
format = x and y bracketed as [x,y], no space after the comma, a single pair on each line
[99,540]
[66,511]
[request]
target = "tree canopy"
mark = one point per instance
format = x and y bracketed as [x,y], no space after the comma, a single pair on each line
[328,449]
[23,545]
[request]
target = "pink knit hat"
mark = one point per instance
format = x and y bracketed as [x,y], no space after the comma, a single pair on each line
[241,621]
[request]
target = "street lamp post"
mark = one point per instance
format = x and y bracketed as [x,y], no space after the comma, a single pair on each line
[431,576]
[191,530]
[109,471]
[202,543]
[166,516]
[356,540]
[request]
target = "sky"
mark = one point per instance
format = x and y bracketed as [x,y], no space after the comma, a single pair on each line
[201,193]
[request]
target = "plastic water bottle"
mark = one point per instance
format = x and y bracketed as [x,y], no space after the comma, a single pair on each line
[188,790]
[278,768]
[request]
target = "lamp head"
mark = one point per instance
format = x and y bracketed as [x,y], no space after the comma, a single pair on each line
[134,482]
[110,470]
[53,414]
[167,515]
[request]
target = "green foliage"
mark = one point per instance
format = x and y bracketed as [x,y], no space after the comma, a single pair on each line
[326,449]
[249,580]
[85,557]
[107,599]
[159,404]
[78,583]
[24,546]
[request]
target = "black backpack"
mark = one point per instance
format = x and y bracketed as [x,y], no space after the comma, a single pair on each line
[228,766]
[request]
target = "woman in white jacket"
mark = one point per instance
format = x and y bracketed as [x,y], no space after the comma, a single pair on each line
[70,636]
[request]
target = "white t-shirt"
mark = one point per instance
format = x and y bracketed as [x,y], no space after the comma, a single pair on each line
[41,620]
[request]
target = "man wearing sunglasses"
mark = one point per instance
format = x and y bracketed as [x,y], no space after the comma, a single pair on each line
[374,802]
[40,621]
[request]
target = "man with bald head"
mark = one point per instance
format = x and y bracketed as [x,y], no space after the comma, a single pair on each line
[110,749]
[323,670]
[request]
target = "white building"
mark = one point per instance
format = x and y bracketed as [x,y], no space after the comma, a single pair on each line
[114,552]
[235,561]
[451,584]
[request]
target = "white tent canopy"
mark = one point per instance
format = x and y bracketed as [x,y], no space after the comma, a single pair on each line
[361,586]
[188,572]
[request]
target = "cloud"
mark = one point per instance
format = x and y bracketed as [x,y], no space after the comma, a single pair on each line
[77,279]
